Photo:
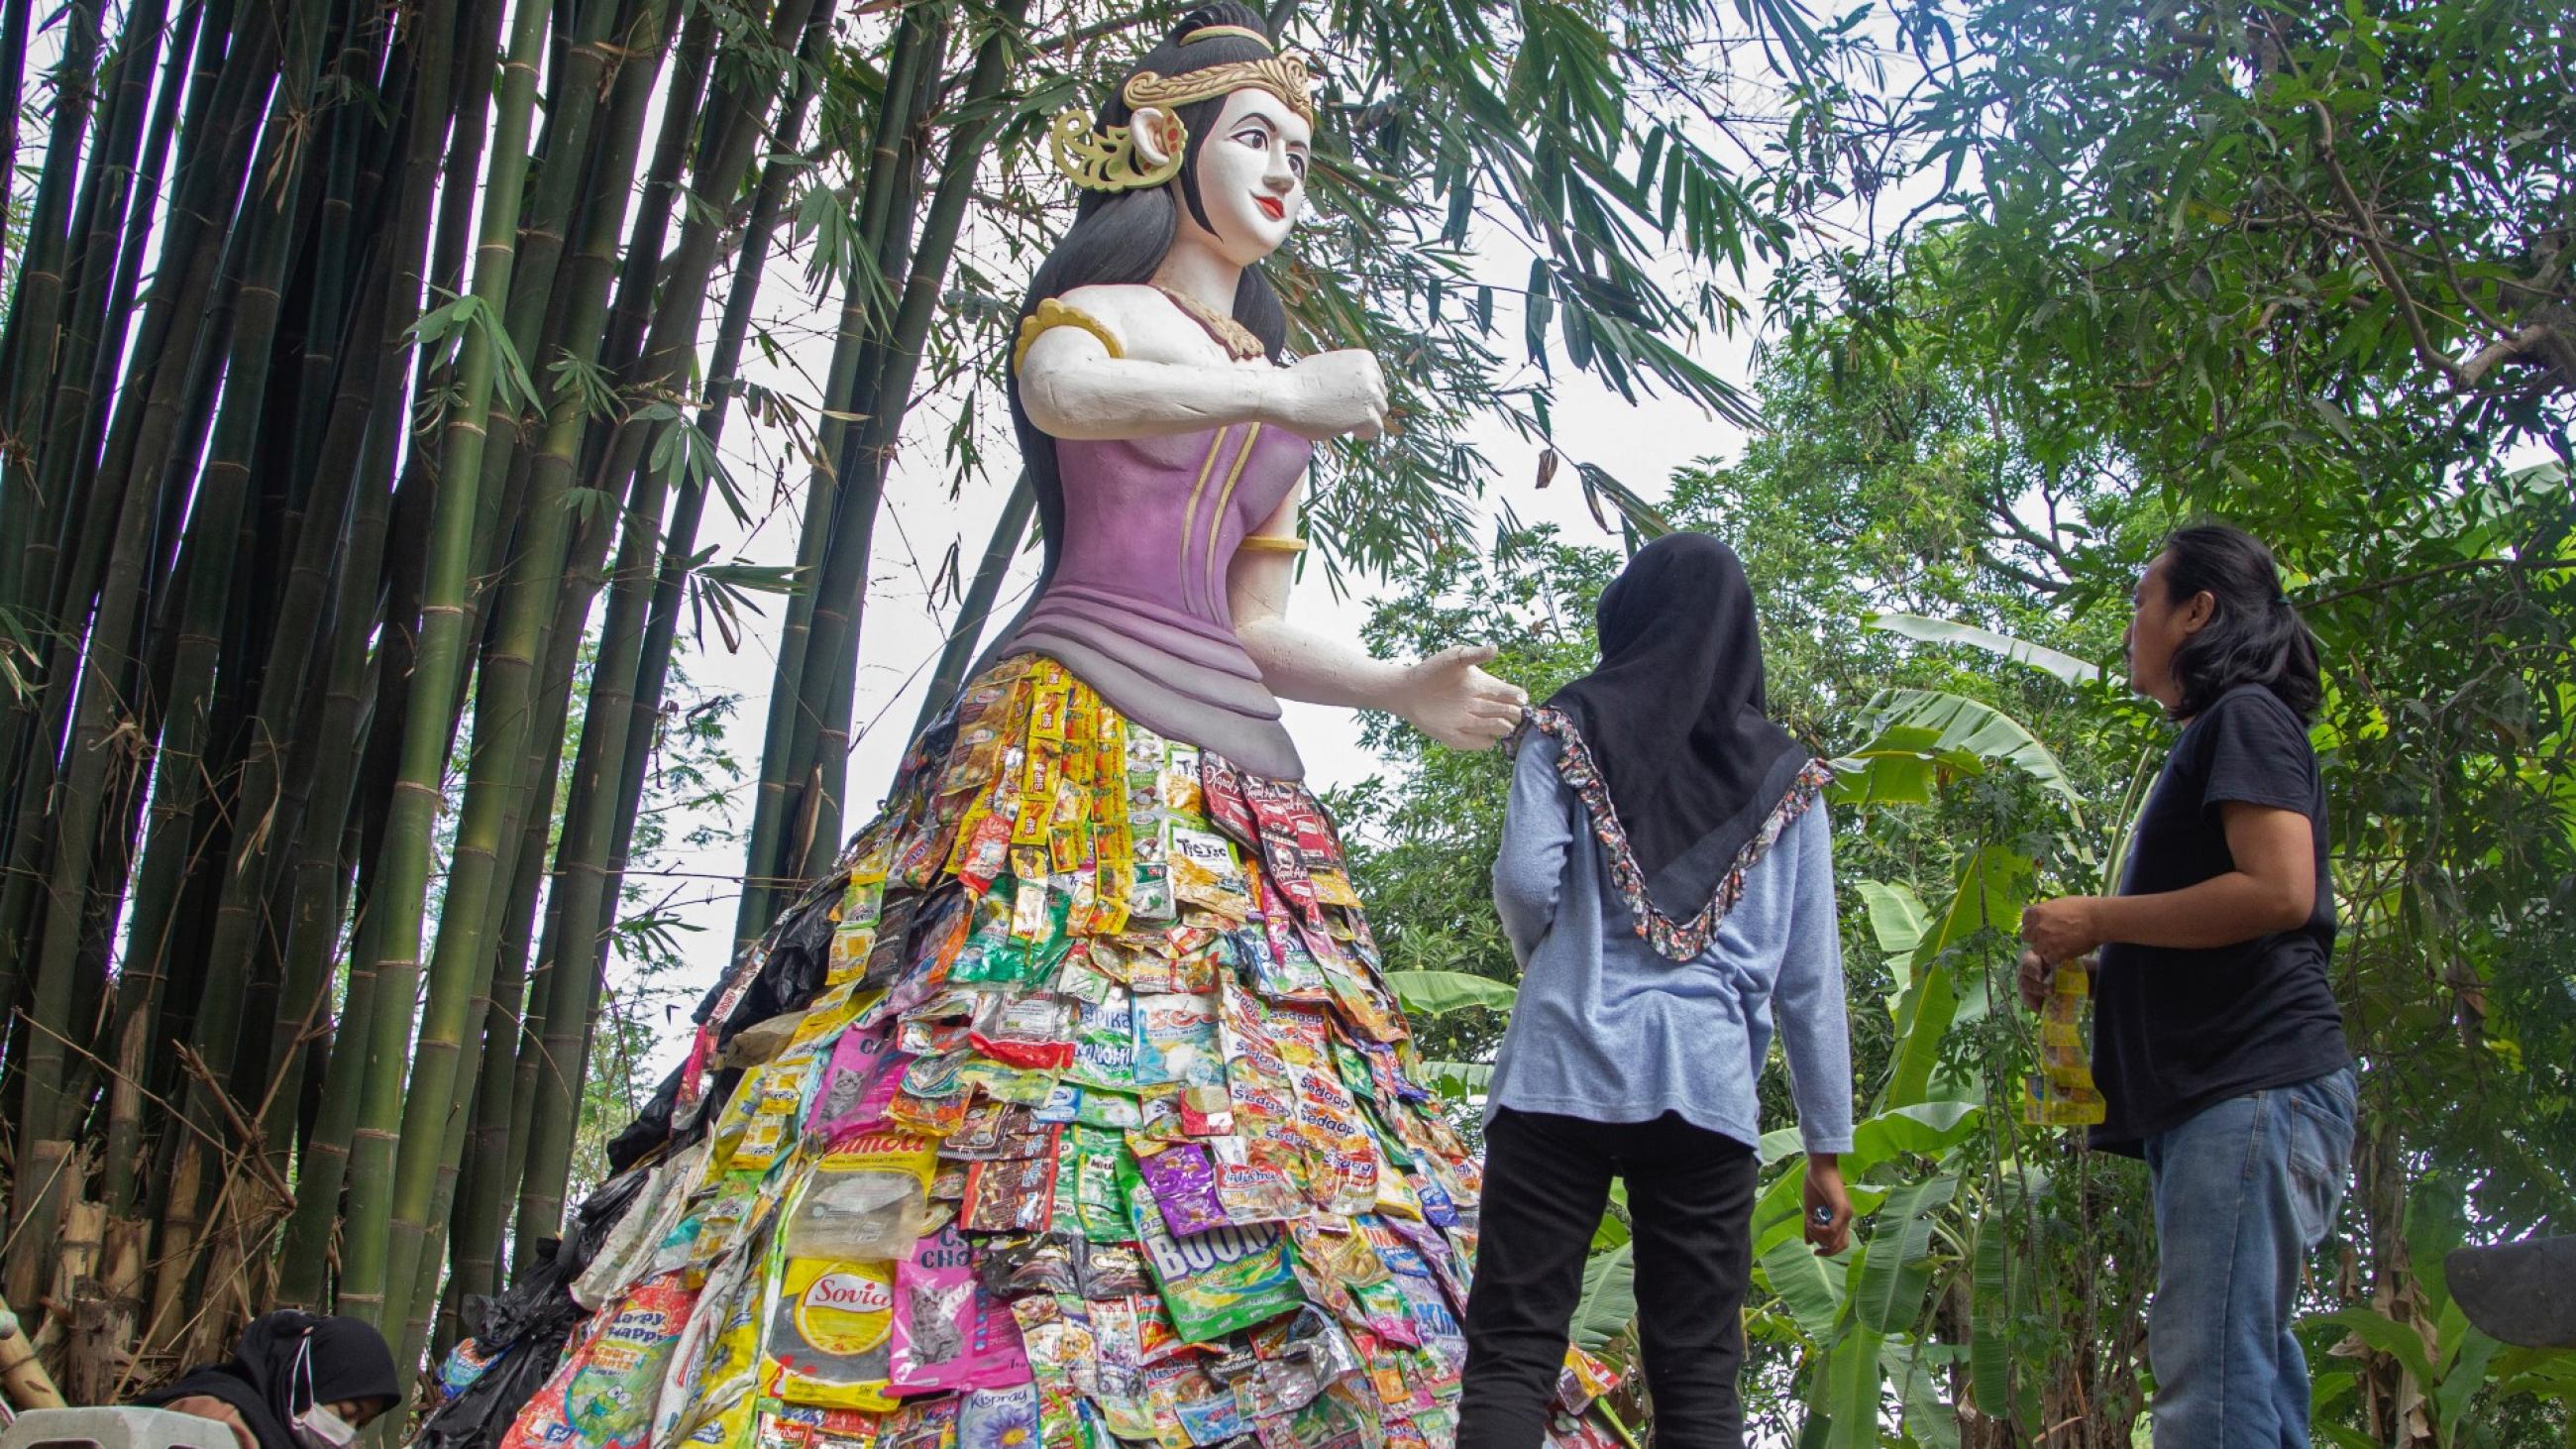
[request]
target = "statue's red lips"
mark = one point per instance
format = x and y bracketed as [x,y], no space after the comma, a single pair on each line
[1271,207]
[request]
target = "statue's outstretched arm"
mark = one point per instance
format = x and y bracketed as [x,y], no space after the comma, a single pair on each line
[1447,696]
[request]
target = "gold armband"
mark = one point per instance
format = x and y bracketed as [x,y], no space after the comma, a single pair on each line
[1269,543]
[1052,313]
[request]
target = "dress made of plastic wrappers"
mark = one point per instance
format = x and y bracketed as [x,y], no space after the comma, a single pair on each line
[1074,1109]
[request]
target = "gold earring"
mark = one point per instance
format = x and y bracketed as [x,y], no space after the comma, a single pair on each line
[1104,158]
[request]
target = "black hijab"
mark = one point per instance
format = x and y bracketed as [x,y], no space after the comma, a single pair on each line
[1673,715]
[350,1361]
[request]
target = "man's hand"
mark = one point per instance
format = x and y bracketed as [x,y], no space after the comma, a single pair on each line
[1828,1207]
[2063,929]
[2034,979]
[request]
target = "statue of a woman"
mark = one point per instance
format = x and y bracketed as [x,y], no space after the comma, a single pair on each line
[1079,1108]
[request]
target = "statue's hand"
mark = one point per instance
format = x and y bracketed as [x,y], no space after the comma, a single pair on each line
[1331,394]
[1452,700]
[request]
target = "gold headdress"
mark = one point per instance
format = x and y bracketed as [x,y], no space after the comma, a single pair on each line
[1103,158]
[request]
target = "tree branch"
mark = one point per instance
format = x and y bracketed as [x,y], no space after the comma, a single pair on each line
[2377,251]
[2381,586]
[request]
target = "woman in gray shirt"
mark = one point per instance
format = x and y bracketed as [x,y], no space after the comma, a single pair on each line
[1666,881]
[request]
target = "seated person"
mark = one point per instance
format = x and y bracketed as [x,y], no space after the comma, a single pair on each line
[298,1381]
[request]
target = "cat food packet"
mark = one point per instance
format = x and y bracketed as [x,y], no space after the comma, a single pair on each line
[859,1082]
[864,1199]
[829,1342]
[948,1334]
[1217,1282]
[1183,1181]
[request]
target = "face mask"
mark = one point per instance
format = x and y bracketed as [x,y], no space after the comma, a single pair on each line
[319,1426]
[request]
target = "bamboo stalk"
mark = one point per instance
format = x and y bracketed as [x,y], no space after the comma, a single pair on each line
[510,776]
[34,737]
[429,726]
[787,743]
[13,76]
[107,680]
[314,922]
[67,405]
[841,594]
[734,128]
[28,346]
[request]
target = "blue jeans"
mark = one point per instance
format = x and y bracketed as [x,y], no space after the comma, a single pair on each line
[2242,1191]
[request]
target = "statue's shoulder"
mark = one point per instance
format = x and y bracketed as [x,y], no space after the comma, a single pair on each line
[1133,310]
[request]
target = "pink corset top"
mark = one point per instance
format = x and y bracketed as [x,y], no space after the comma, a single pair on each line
[1138,604]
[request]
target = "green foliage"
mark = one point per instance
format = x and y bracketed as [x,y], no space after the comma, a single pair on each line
[2000,1286]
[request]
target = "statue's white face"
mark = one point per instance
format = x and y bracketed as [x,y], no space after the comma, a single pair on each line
[1252,177]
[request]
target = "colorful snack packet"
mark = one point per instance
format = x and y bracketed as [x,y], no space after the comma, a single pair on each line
[947,1333]
[1287,970]
[1104,1040]
[920,1424]
[1205,872]
[1034,1030]
[1118,1371]
[1177,1042]
[1257,1179]
[1010,1197]
[1222,790]
[1110,1270]
[1182,1179]
[610,1399]
[1217,1282]
[1176,783]
[1010,1267]
[1201,1411]
[1582,1380]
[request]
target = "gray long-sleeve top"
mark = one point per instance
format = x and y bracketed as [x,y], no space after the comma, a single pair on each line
[1607,1030]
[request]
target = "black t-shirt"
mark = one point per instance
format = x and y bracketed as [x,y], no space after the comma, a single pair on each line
[2176,1030]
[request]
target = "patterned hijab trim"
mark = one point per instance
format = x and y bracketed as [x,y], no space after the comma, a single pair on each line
[1674,940]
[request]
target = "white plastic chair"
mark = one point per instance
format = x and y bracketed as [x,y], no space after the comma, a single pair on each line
[116,1428]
